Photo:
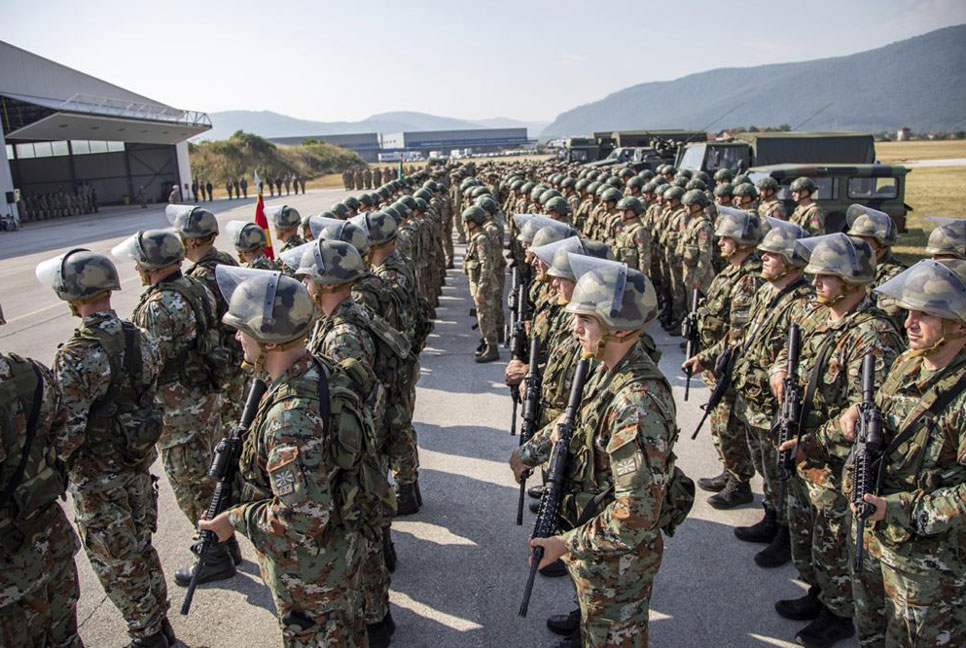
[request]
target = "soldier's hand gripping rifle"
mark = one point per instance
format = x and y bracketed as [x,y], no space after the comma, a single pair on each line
[868,444]
[531,392]
[518,345]
[691,337]
[789,415]
[546,524]
[224,466]
[724,366]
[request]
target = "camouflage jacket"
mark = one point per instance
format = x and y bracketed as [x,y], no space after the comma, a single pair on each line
[375,296]
[204,270]
[290,465]
[695,242]
[633,246]
[494,231]
[924,478]
[727,308]
[560,351]
[264,263]
[864,330]
[885,270]
[623,440]
[811,218]
[345,334]
[765,336]
[478,263]
[773,208]
[399,276]
[293,242]
[83,370]
[671,226]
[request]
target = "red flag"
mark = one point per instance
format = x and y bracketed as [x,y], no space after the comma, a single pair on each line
[262,222]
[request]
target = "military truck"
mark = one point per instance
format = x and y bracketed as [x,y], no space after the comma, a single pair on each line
[879,186]
[602,144]
[580,149]
[637,158]
[746,150]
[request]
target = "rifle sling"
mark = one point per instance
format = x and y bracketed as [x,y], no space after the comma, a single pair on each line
[816,374]
[942,400]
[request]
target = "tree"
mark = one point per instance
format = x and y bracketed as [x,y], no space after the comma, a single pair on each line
[784,128]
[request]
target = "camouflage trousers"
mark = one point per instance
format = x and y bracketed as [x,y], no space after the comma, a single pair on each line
[115,526]
[675,277]
[317,592]
[764,454]
[487,316]
[614,595]
[44,615]
[819,520]
[896,608]
[729,436]
[233,397]
[375,581]
[402,450]
[500,313]
[448,238]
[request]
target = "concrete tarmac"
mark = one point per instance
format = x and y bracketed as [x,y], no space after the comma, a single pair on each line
[462,560]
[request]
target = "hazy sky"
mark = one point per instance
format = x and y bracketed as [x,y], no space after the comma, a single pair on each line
[346,60]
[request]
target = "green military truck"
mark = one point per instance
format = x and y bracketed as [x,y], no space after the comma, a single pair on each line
[639,149]
[879,186]
[745,150]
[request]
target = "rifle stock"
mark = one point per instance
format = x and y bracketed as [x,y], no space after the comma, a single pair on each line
[531,391]
[789,421]
[691,335]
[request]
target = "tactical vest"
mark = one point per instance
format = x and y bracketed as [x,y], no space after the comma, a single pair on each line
[125,419]
[31,477]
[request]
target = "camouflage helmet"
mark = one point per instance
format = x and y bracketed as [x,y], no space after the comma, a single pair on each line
[620,298]
[402,209]
[673,193]
[516,184]
[724,175]
[527,187]
[724,189]
[696,183]
[423,206]
[581,184]
[933,287]
[598,250]
[669,169]
[803,183]
[78,274]
[151,250]
[476,192]
[949,237]
[649,187]
[684,173]
[745,189]
[340,210]
[393,213]
[680,181]
[285,217]
[741,178]
[380,227]
[635,182]
[269,306]
[594,187]
[330,262]
[192,222]
[537,191]
[365,200]
[848,258]
[780,238]
[488,204]
[611,195]
[767,182]
[547,195]
[615,182]
[560,264]
[351,202]
[550,233]
[556,251]
[632,203]
[425,194]
[473,214]
[743,227]
[340,230]
[409,201]
[558,205]
[245,236]
[694,197]
[647,175]
[626,173]
[660,181]
[568,182]
[865,221]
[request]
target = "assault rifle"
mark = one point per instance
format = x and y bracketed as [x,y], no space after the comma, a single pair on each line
[723,368]
[531,392]
[868,444]
[691,337]
[789,415]
[224,466]
[546,524]
[518,344]
[513,304]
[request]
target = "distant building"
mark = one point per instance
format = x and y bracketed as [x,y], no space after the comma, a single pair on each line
[365,144]
[480,140]
[904,134]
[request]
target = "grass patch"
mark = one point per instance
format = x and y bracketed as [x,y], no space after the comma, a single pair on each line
[930,191]
[898,152]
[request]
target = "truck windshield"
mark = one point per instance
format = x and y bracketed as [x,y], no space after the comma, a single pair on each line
[693,157]
[725,157]
[873,188]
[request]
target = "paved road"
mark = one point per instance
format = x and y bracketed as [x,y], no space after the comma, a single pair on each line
[945,162]
[462,561]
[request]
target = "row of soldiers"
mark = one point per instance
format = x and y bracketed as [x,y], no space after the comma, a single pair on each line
[58,204]
[332,328]
[758,273]
[366,178]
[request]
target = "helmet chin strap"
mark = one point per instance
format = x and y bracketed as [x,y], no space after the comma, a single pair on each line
[606,336]
[947,336]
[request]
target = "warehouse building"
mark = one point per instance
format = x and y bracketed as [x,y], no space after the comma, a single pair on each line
[66,133]
[365,144]
[479,140]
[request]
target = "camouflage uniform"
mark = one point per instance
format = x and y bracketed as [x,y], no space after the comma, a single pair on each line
[818,512]
[723,317]
[115,495]
[290,463]
[494,230]
[192,407]
[293,242]
[633,246]
[886,269]
[264,263]
[912,588]
[772,208]
[38,578]
[478,265]
[810,217]
[693,253]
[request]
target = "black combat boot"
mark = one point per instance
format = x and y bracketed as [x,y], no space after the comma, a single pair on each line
[536,492]
[480,349]
[805,608]
[157,640]
[218,566]
[491,354]
[378,634]
[556,569]
[564,624]
[778,552]
[231,544]
[419,493]
[827,630]
[535,507]
[406,502]
[714,484]
[763,532]
[735,493]
[168,631]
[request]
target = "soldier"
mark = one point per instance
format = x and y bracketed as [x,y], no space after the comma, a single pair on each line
[910,590]
[377,177]
[724,316]
[38,582]
[746,197]
[878,230]
[723,176]
[107,372]
[694,250]
[299,466]
[288,186]
[228,189]
[209,188]
[633,244]
[237,189]
[244,187]
[286,221]
[836,334]
[770,206]
[948,240]
[181,315]
[493,226]
[478,266]
[626,419]
[358,180]
[724,194]
[807,214]
[367,178]
[250,243]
